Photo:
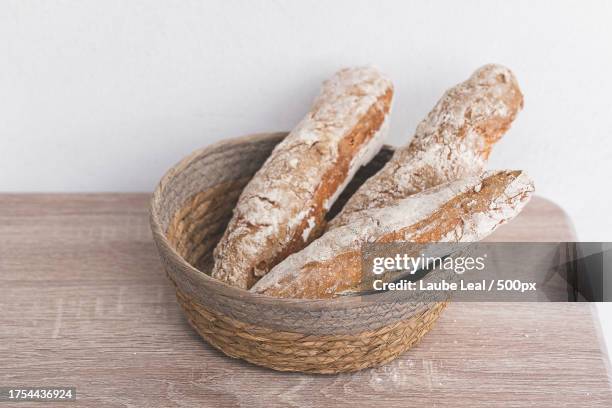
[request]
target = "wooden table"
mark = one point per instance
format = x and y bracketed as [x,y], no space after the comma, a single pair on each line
[85,303]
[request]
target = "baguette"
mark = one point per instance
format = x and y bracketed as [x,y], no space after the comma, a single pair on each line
[283,207]
[452,142]
[466,210]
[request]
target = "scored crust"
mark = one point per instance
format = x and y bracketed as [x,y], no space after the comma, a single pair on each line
[283,207]
[452,142]
[466,210]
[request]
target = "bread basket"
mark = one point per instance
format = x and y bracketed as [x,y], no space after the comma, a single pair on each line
[189,211]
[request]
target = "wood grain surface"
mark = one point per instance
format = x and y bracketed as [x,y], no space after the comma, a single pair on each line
[84,302]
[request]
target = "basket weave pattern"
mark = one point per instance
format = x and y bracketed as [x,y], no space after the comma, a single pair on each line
[327,354]
[189,212]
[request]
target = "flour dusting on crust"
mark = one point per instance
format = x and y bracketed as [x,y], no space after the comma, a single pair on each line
[283,206]
[466,210]
[452,142]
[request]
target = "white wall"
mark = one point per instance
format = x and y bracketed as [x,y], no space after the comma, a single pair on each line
[106,95]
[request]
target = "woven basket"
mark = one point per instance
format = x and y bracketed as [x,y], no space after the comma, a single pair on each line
[189,211]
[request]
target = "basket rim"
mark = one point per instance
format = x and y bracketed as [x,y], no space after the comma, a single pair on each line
[204,281]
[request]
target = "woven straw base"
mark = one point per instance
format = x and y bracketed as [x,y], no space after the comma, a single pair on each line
[322,354]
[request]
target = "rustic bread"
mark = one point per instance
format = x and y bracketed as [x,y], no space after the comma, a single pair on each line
[466,210]
[452,142]
[283,207]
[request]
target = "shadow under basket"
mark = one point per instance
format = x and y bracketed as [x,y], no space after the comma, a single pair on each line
[189,212]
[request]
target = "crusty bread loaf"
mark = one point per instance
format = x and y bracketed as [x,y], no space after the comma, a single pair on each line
[283,207]
[466,210]
[452,142]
